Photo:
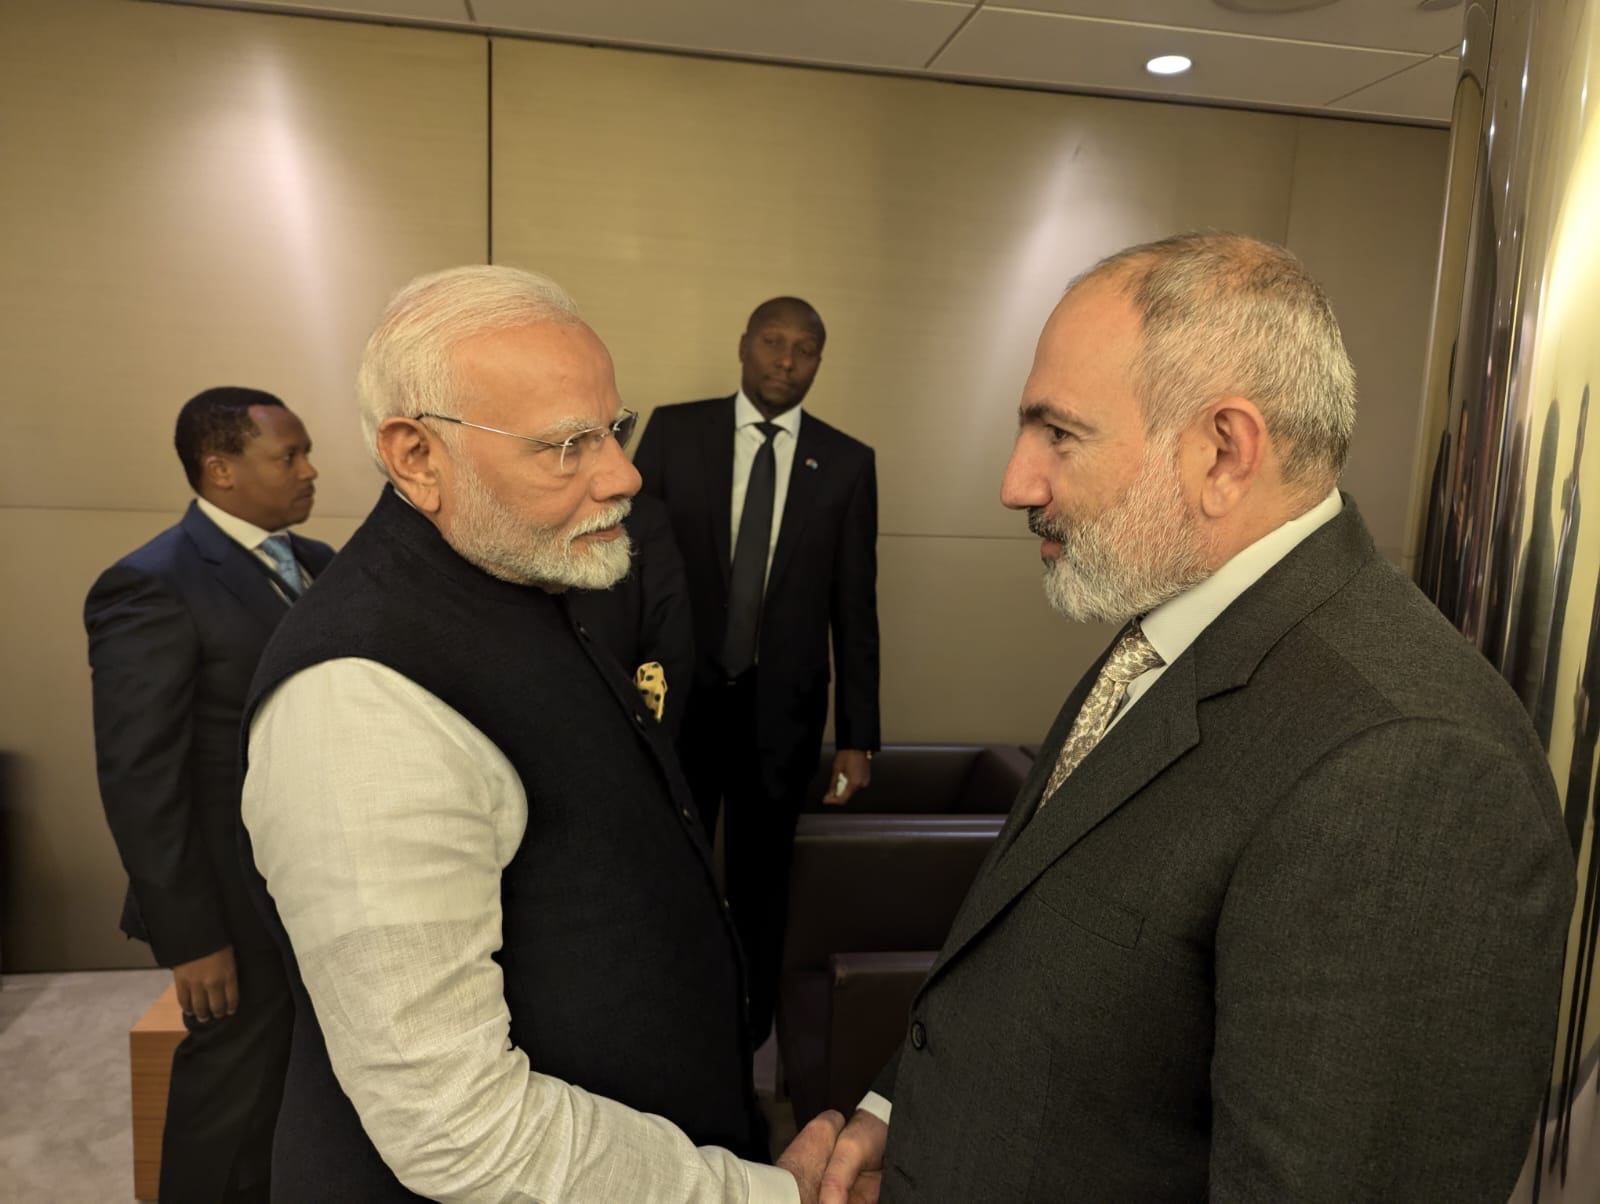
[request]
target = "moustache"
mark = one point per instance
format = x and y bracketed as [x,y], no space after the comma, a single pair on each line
[610,517]
[1046,527]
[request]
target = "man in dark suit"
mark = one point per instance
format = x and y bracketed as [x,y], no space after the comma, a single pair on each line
[776,515]
[175,630]
[1280,913]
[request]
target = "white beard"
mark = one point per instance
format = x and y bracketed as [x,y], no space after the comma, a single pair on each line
[503,545]
[1132,557]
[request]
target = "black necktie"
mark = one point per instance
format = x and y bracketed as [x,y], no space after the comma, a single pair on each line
[750,558]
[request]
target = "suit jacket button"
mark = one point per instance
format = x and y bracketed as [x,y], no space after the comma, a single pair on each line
[919,1035]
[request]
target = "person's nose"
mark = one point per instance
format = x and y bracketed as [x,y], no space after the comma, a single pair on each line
[615,476]
[1024,484]
[308,471]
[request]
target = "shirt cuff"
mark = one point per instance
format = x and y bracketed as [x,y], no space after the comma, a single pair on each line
[769,1185]
[874,1103]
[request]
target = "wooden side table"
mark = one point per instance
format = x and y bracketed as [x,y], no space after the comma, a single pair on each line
[150,1044]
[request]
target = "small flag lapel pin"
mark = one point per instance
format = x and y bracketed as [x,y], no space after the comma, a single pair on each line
[810,463]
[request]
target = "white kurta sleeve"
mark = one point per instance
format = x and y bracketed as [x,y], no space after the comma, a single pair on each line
[381,821]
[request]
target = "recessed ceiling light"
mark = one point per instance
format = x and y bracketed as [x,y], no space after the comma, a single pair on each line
[1168,64]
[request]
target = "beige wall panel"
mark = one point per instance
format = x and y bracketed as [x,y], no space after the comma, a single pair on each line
[65,884]
[198,197]
[971,650]
[1368,202]
[932,224]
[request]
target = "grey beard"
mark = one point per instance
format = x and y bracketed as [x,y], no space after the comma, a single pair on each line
[505,546]
[1127,561]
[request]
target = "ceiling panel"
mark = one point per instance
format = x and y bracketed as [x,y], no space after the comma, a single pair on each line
[1080,52]
[1375,24]
[430,12]
[1424,92]
[1366,58]
[896,34]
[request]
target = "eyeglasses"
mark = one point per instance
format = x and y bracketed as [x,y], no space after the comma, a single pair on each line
[584,443]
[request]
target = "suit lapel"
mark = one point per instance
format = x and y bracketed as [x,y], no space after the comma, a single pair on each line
[230,565]
[1150,737]
[797,503]
[1161,728]
[716,449]
[1033,786]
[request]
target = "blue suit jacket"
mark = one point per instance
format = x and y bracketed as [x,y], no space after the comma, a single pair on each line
[175,630]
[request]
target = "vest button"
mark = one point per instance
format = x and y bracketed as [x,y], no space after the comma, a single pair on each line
[919,1035]
[638,719]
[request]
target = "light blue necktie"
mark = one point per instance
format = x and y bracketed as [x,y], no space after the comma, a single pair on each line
[282,554]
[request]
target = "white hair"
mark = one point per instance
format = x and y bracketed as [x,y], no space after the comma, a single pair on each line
[1223,314]
[408,367]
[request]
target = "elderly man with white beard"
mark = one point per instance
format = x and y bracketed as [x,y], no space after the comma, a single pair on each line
[514,974]
[1279,915]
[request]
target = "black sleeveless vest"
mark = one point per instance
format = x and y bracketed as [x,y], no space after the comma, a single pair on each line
[622,971]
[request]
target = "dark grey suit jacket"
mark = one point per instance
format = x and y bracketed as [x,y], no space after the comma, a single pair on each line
[1292,932]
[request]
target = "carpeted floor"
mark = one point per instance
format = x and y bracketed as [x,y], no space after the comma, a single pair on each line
[65,1135]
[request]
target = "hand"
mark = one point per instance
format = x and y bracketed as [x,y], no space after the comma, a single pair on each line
[855,1170]
[808,1154]
[208,987]
[855,769]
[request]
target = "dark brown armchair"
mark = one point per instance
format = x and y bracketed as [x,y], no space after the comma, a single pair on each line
[872,897]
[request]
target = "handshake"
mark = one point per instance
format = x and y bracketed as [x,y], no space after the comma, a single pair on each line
[837,1163]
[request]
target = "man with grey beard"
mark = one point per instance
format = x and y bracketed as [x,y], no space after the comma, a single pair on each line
[514,975]
[1280,913]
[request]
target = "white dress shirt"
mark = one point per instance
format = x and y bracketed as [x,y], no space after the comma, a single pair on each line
[1177,623]
[382,820]
[747,440]
[249,537]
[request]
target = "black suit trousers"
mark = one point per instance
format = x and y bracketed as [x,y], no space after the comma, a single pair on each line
[727,770]
[227,1080]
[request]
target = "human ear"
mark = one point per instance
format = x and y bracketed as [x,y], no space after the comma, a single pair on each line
[410,455]
[1234,436]
[216,470]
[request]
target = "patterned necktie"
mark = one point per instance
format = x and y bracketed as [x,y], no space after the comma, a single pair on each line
[278,548]
[748,582]
[1132,656]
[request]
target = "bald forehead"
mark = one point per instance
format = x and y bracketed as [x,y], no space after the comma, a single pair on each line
[1101,298]
[537,362]
[787,311]
[1120,277]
